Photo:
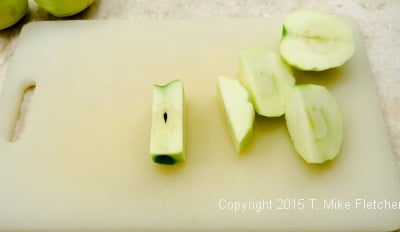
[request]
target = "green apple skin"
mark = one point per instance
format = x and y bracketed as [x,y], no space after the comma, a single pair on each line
[11,11]
[167,145]
[314,122]
[267,78]
[238,109]
[64,8]
[313,40]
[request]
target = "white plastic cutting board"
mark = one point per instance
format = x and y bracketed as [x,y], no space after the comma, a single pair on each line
[82,161]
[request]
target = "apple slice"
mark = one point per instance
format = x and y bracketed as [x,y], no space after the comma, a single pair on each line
[314,122]
[167,128]
[314,40]
[239,111]
[268,80]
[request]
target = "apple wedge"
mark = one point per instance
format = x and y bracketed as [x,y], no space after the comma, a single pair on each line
[314,123]
[238,109]
[315,40]
[167,128]
[268,80]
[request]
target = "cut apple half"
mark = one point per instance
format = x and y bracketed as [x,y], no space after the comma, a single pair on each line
[315,40]
[268,80]
[167,128]
[238,110]
[314,123]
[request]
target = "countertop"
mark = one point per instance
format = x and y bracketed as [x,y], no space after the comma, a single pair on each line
[378,21]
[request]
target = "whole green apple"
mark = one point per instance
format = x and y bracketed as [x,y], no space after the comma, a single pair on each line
[64,8]
[11,11]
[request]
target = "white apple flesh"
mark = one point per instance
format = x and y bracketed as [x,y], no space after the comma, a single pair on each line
[167,128]
[238,109]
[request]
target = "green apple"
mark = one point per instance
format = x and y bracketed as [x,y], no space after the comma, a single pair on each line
[314,122]
[238,110]
[314,40]
[11,11]
[64,8]
[167,128]
[268,80]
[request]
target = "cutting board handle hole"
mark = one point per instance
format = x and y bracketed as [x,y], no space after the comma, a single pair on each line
[22,112]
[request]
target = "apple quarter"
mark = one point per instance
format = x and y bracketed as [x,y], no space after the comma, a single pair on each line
[314,123]
[268,80]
